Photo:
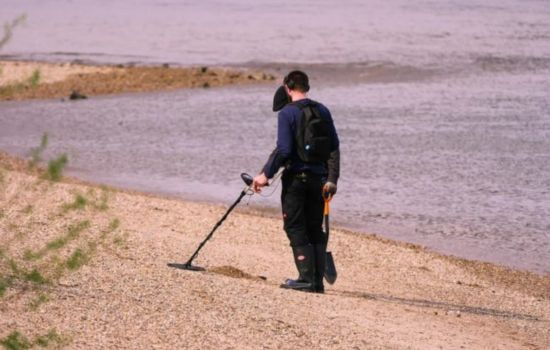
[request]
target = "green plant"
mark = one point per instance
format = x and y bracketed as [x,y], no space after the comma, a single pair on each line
[72,233]
[80,202]
[39,300]
[74,230]
[118,240]
[27,210]
[9,27]
[57,243]
[35,277]
[13,267]
[5,283]
[16,341]
[45,340]
[114,224]
[28,254]
[36,152]
[34,79]
[56,167]
[77,259]
[102,204]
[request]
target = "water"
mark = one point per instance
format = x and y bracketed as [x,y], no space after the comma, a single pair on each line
[442,109]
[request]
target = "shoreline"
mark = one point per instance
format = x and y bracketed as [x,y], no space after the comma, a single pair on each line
[389,294]
[273,213]
[25,80]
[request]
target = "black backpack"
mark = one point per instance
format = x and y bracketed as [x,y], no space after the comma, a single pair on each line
[313,137]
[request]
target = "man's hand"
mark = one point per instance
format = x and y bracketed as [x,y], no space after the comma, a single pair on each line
[329,188]
[259,182]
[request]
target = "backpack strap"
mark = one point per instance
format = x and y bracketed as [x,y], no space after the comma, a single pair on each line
[308,110]
[301,104]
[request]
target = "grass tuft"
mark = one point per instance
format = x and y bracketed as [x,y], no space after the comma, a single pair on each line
[28,209]
[72,233]
[13,266]
[77,259]
[35,78]
[80,202]
[35,277]
[30,255]
[9,27]
[74,230]
[102,205]
[39,300]
[56,167]
[5,283]
[45,340]
[57,243]
[118,240]
[114,224]
[36,152]
[15,341]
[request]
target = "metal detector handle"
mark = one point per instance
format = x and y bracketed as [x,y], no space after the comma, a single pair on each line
[248,181]
[218,224]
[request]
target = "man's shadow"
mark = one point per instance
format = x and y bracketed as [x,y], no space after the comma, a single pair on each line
[437,305]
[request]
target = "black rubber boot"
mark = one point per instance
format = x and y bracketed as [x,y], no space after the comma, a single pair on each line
[304,257]
[320,261]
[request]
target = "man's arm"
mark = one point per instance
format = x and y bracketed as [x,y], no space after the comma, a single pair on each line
[285,142]
[333,167]
[280,154]
[333,163]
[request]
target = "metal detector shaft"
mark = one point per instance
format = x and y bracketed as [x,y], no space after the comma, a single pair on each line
[243,193]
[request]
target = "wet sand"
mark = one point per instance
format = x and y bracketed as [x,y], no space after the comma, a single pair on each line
[21,80]
[118,292]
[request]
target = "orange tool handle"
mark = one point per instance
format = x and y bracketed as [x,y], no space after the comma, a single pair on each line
[327,197]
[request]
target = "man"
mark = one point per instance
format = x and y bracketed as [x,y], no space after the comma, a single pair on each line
[305,179]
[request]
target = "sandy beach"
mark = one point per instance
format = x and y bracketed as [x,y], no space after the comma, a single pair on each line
[85,267]
[21,80]
[439,230]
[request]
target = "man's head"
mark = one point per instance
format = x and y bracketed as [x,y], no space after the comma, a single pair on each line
[297,81]
[294,88]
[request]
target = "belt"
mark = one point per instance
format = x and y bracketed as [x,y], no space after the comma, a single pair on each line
[303,175]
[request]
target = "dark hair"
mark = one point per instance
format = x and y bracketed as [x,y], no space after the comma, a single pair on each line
[297,80]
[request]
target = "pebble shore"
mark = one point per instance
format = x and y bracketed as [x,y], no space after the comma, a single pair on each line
[118,292]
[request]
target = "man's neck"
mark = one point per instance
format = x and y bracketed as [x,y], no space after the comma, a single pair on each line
[298,96]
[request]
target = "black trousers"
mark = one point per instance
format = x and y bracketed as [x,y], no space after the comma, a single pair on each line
[303,204]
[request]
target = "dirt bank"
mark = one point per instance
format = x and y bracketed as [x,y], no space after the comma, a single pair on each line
[21,80]
[85,267]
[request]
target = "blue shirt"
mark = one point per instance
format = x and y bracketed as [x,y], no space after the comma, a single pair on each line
[286,139]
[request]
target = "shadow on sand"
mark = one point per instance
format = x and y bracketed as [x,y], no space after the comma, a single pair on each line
[437,305]
[234,272]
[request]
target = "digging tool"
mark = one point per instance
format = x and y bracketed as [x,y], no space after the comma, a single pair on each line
[188,265]
[330,268]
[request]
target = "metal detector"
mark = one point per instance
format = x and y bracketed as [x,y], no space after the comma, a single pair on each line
[188,266]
